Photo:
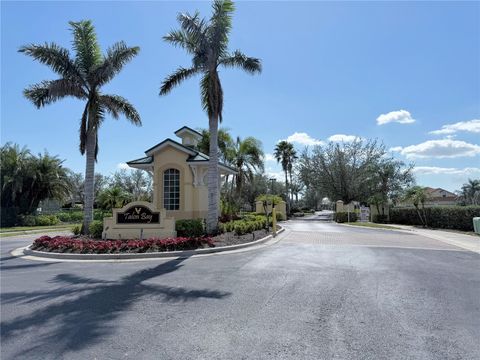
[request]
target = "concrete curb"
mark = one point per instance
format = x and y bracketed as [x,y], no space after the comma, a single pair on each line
[153,255]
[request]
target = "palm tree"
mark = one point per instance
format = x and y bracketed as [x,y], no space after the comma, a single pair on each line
[207,42]
[418,196]
[113,197]
[471,191]
[82,77]
[283,153]
[225,144]
[292,155]
[247,159]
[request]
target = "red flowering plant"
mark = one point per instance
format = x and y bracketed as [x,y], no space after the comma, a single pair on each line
[65,244]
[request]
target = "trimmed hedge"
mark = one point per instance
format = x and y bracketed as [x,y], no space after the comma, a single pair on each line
[380,219]
[96,229]
[190,228]
[342,217]
[441,217]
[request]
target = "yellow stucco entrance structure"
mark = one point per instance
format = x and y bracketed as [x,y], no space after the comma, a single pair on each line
[179,175]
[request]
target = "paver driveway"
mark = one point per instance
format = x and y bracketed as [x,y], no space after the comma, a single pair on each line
[324,291]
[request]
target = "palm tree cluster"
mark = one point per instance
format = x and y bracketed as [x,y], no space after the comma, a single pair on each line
[26,179]
[83,75]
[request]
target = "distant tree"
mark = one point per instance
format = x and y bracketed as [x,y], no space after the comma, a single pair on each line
[136,182]
[82,77]
[76,186]
[353,171]
[470,192]
[285,154]
[113,197]
[207,42]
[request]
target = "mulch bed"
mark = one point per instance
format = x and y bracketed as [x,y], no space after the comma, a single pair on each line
[227,239]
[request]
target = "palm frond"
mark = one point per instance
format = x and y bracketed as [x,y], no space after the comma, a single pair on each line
[50,91]
[220,25]
[240,60]
[193,25]
[212,95]
[86,45]
[116,105]
[117,56]
[54,56]
[176,78]
[181,39]
[83,128]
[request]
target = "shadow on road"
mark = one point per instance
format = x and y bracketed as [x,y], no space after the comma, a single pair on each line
[88,315]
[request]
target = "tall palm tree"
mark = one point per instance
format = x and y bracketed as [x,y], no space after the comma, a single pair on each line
[225,144]
[82,77]
[207,42]
[283,154]
[247,159]
[292,156]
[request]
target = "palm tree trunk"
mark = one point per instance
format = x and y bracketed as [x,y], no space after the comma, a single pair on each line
[213,193]
[291,187]
[286,192]
[89,180]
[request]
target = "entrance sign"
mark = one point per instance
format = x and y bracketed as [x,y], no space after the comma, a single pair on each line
[138,220]
[138,215]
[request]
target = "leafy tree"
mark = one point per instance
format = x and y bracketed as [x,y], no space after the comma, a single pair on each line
[136,182]
[27,179]
[207,42]
[82,77]
[352,171]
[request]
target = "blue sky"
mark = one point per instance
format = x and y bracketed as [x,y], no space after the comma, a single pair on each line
[329,69]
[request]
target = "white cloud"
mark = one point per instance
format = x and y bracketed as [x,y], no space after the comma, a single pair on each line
[123,166]
[303,139]
[400,116]
[445,148]
[343,138]
[433,170]
[272,173]
[468,126]
[270,157]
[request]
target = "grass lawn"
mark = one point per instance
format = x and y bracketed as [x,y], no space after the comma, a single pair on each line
[373,225]
[12,231]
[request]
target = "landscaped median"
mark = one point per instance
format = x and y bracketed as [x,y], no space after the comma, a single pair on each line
[62,247]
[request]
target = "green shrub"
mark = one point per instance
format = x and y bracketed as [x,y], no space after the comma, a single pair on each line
[96,229]
[380,219]
[240,228]
[70,216]
[99,214]
[190,228]
[27,220]
[77,229]
[46,220]
[279,216]
[441,217]
[343,216]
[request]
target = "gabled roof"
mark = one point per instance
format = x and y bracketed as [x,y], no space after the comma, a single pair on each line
[194,155]
[186,129]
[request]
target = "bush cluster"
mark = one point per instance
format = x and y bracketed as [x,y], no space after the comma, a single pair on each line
[96,229]
[441,217]
[342,217]
[70,216]
[190,227]
[63,244]
[380,219]
[38,220]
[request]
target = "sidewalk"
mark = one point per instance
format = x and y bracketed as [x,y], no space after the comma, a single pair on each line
[468,242]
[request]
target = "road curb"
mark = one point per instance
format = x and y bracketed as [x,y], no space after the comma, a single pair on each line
[152,255]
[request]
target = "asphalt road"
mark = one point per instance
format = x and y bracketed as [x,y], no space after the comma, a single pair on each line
[325,291]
